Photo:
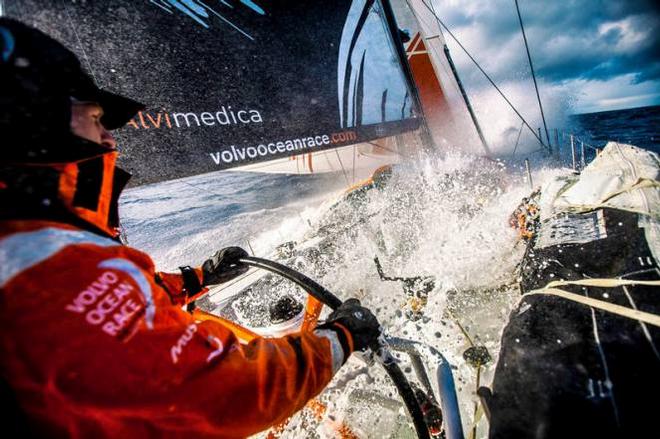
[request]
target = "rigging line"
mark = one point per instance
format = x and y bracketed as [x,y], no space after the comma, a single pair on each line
[342,168]
[579,139]
[82,48]
[484,73]
[354,157]
[518,139]
[603,359]
[538,150]
[203,190]
[250,246]
[531,66]
[327,160]
[259,165]
[643,325]
[462,329]
[386,149]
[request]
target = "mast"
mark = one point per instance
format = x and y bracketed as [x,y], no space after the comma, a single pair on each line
[466,100]
[427,139]
[455,120]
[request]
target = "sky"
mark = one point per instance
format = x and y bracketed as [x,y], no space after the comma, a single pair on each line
[592,55]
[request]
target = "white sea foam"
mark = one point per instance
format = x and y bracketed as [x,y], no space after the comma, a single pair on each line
[448,224]
[500,123]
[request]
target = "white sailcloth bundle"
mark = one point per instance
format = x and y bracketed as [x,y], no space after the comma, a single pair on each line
[621,177]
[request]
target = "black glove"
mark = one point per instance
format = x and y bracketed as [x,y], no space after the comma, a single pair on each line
[224,266]
[359,321]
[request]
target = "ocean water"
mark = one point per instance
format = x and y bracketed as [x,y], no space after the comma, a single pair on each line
[183,221]
[635,126]
[443,217]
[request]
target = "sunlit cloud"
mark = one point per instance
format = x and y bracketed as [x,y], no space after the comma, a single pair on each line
[606,53]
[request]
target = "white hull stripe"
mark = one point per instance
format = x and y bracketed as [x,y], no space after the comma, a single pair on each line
[21,251]
[335,347]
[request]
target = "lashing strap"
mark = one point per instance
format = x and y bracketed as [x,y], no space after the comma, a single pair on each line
[642,316]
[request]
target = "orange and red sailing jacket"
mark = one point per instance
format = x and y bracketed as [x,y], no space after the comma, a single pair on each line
[95,344]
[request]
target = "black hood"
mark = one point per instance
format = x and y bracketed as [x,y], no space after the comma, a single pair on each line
[39,76]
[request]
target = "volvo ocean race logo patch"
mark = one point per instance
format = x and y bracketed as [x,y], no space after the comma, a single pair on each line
[111,303]
[145,287]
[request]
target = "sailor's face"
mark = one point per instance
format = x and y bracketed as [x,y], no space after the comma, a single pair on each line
[86,123]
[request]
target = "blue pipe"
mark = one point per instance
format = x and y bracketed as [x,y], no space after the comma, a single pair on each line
[449,400]
[451,412]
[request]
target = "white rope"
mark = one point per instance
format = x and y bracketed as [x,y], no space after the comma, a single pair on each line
[641,316]
[602,283]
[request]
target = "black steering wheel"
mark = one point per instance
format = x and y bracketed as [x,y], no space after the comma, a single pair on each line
[381,352]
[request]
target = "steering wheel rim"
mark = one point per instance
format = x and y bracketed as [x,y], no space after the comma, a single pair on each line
[381,352]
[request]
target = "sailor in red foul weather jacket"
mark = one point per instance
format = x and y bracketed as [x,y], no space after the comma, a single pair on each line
[93,340]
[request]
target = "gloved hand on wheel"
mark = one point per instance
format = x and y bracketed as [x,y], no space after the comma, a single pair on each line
[358,320]
[224,266]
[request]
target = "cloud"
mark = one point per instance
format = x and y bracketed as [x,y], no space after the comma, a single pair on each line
[573,42]
[600,95]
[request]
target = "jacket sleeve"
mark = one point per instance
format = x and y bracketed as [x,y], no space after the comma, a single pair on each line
[240,389]
[268,380]
[182,287]
[131,363]
[215,385]
[235,389]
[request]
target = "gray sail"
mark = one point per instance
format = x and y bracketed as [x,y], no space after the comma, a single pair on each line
[230,83]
